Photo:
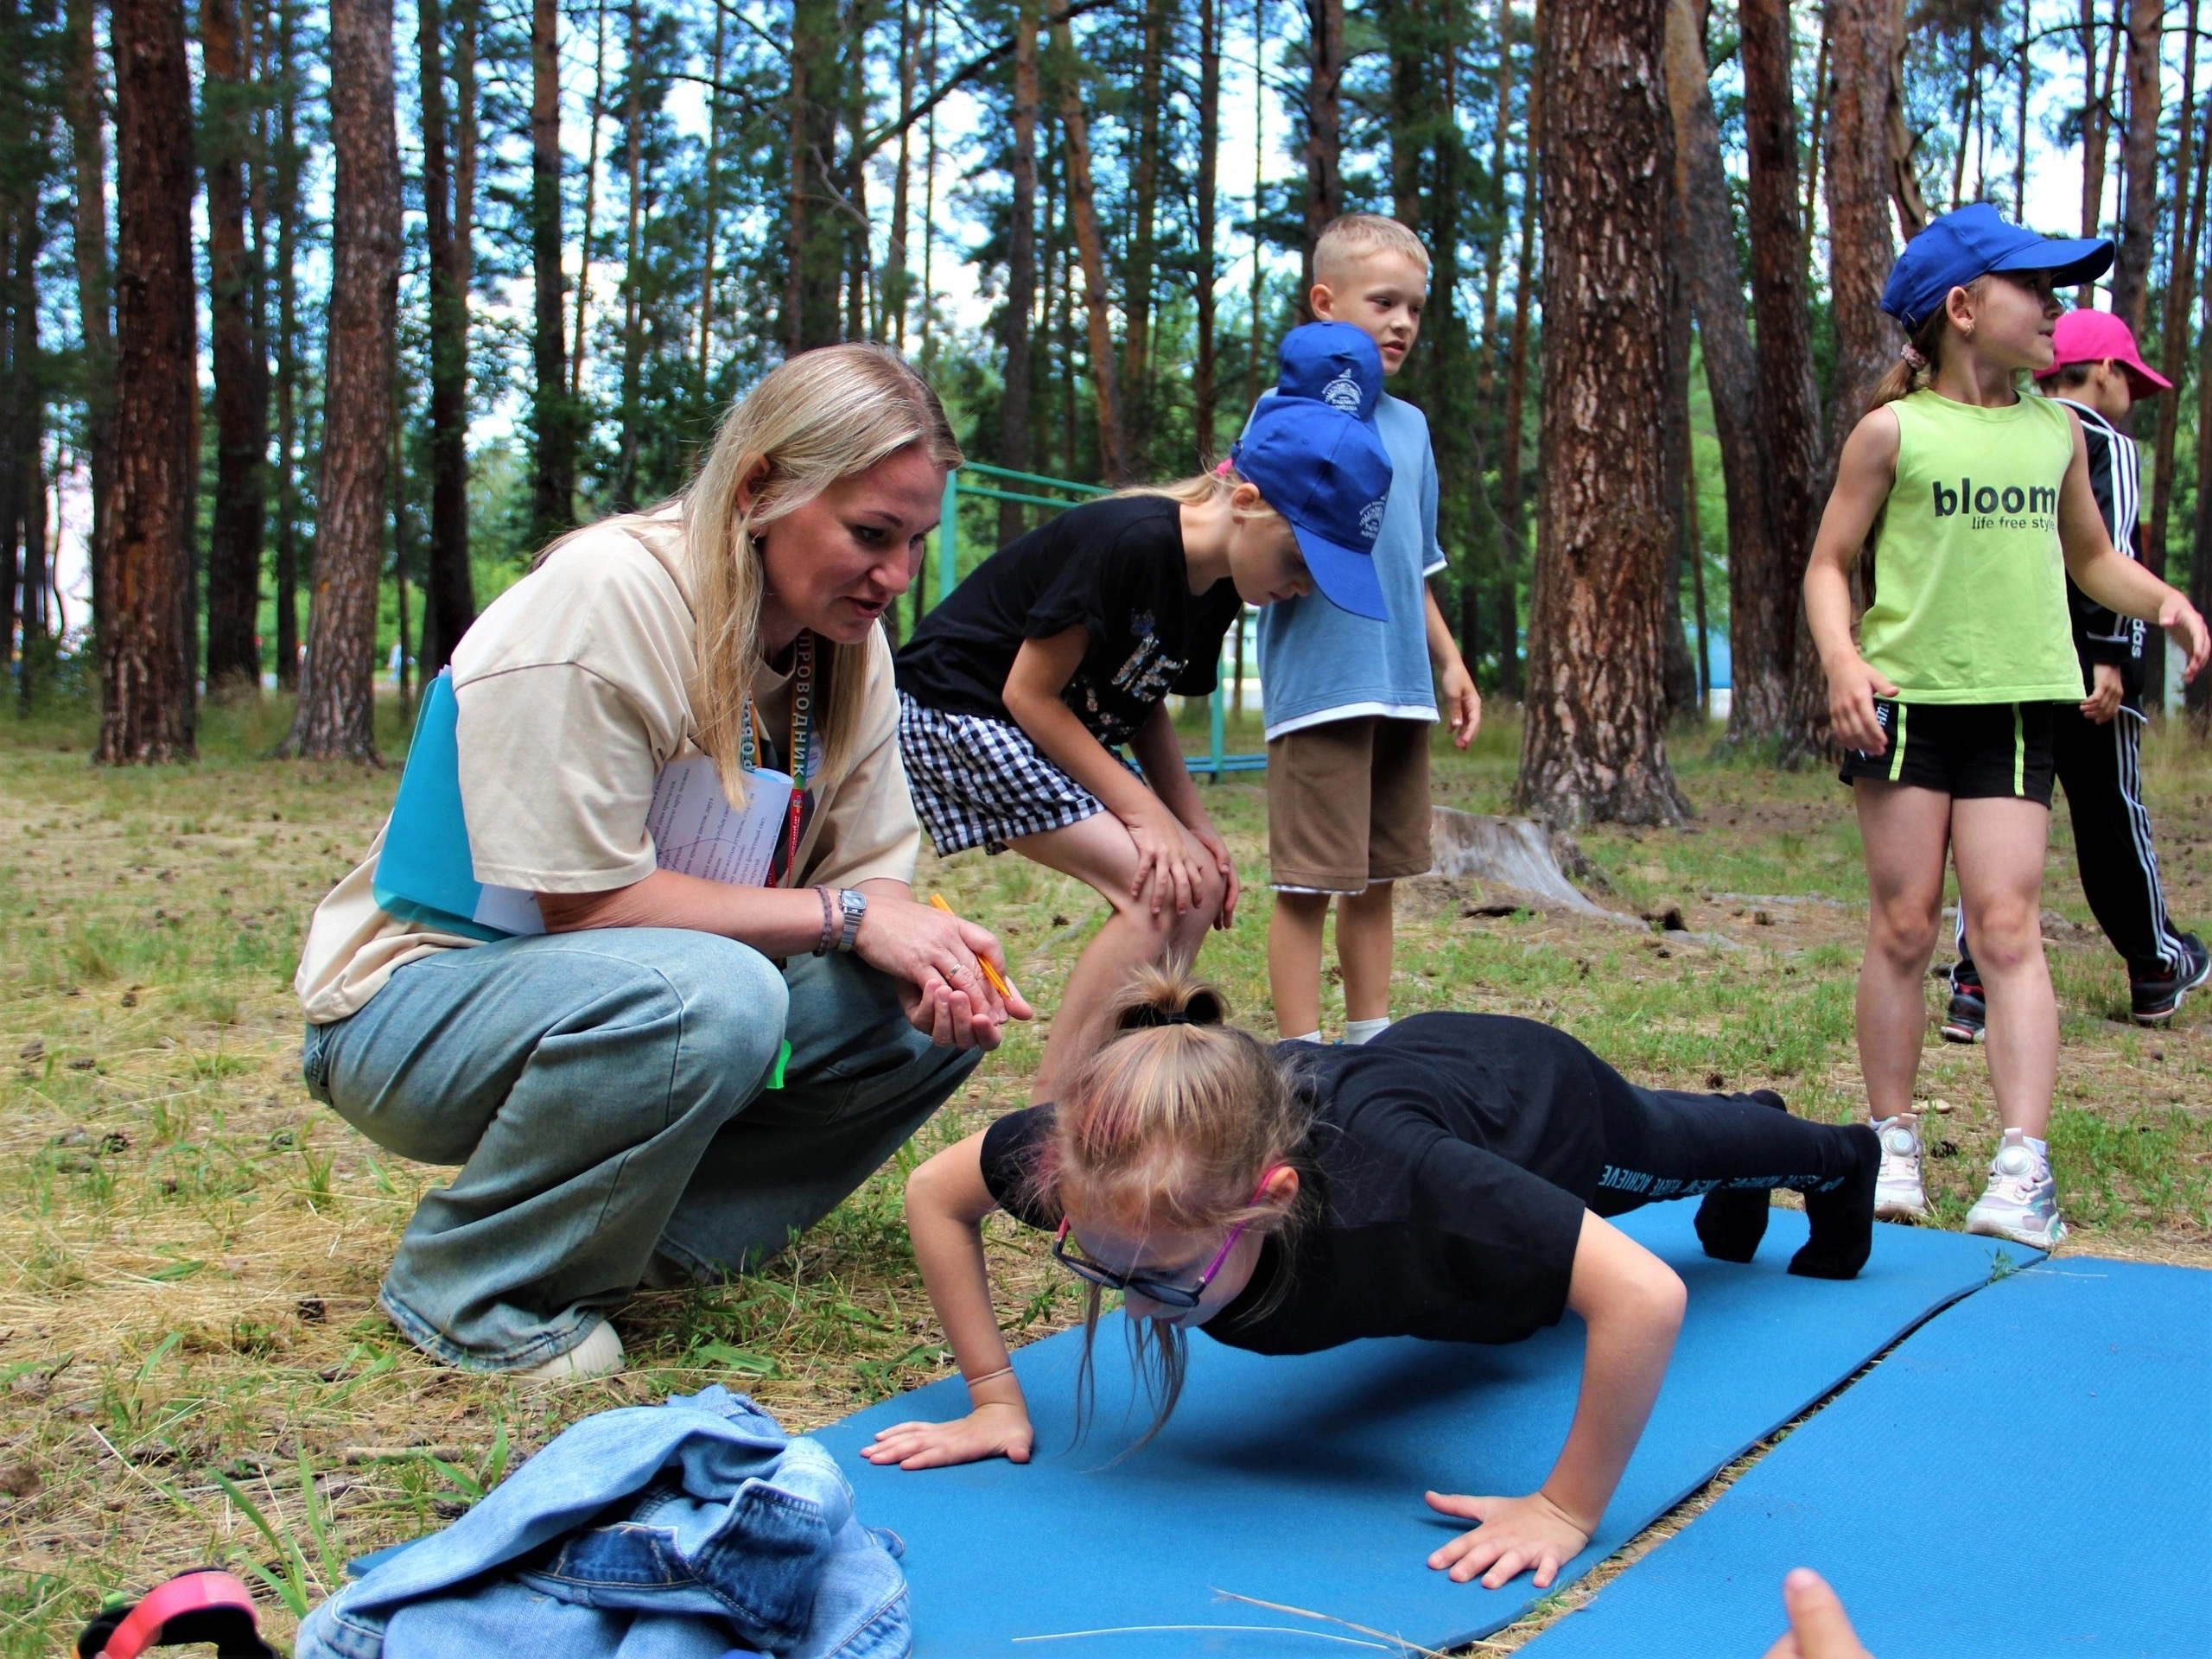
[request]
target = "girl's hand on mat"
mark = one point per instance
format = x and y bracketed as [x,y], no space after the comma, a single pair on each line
[1853,687]
[2185,627]
[1167,859]
[996,1429]
[1517,1534]
[1818,1626]
[1210,838]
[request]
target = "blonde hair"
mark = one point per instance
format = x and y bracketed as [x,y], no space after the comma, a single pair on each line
[1199,490]
[1171,1123]
[817,418]
[1355,236]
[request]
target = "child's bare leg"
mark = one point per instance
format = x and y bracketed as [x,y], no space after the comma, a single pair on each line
[2000,848]
[1364,943]
[1294,960]
[1906,831]
[1098,850]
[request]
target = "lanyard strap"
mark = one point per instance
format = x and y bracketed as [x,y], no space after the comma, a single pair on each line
[802,738]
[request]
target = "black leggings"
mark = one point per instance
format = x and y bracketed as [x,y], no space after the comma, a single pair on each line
[1661,1143]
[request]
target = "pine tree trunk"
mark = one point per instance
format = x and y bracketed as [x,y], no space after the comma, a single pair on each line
[713,195]
[2173,331]
[1205,394]
[553,417]
[816,245]
[147,712]
[1083,214]
[1494,242]
[286,207]
[25,495]
[448,196]
[337,707]
[633,273]
[18,232]
[2096,121]
[1787,398]
[1140,271]
[1528,278]
[1677,672]
[591,206]
[1905,178]
[2198,696]
[1759,695]
[82,106]
[1865,38]
[241,376]
[2139,164]
[1594,747]
[1021,265]
[1325,178]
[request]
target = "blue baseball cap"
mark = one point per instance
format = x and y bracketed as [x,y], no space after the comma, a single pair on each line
[1315,453]
[1972,242]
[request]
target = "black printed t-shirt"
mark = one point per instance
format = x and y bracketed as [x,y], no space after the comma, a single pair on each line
[1455,1156]
[1116,566]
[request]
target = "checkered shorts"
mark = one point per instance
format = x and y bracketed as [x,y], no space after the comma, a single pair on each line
[980,782]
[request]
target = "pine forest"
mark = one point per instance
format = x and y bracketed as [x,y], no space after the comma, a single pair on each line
[319,319]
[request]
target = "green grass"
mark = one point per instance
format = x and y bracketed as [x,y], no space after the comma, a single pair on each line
[192,1366]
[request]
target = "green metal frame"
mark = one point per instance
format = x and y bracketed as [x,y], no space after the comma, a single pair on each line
[948,576]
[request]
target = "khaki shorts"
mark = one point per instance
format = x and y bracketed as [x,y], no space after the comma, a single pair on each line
[1348,804]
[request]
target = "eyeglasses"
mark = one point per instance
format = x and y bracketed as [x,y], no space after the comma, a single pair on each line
[1153,1290]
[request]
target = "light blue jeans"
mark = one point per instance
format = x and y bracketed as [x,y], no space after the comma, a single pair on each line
[646,1532]
[603,1093]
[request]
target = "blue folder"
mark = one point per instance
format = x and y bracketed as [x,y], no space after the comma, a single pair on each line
[426,873]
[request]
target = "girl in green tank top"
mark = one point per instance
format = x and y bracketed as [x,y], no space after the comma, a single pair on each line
[1977,501]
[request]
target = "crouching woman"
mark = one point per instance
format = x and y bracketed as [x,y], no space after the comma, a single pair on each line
[615,1091]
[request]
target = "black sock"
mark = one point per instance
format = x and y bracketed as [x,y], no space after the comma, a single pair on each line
[1843,1217]
[1731,1221]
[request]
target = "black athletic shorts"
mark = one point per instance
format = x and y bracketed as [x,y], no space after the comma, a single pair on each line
[1969,751]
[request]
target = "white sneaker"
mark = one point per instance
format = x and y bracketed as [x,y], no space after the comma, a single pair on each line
[1897,1192]
[600,1354]
[2021,1202]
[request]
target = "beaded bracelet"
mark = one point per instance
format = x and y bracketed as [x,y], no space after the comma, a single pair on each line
[829,921]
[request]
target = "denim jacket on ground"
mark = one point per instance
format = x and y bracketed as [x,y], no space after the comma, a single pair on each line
[677,1531]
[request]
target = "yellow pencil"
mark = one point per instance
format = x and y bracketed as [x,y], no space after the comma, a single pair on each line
[998,981]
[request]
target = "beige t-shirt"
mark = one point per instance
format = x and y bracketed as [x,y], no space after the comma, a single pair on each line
[574,690]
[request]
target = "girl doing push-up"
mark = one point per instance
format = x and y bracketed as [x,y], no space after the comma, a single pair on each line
[1450,1179]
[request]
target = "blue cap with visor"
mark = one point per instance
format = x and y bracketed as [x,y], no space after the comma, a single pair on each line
[1973,241]
[1313,452]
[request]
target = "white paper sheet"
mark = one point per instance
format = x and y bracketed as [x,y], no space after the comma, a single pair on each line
[695,832]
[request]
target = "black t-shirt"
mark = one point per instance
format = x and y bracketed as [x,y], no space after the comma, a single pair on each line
[1114,565]
[1454,1154]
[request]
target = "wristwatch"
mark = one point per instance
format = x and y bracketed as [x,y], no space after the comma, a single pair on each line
[855,904]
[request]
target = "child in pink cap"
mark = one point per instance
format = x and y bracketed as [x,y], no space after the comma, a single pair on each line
[2099,373]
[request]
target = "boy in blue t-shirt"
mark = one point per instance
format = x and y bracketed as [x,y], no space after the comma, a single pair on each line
[1350,700]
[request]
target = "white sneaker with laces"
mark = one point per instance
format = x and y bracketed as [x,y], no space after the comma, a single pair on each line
[600,1354]
[2021,1202]
[1897,1192]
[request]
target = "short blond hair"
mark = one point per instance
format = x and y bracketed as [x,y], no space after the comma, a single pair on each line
[1355,236]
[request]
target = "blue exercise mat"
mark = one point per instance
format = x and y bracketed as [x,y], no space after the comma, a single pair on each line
[1300,1480]
[2030,1473]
